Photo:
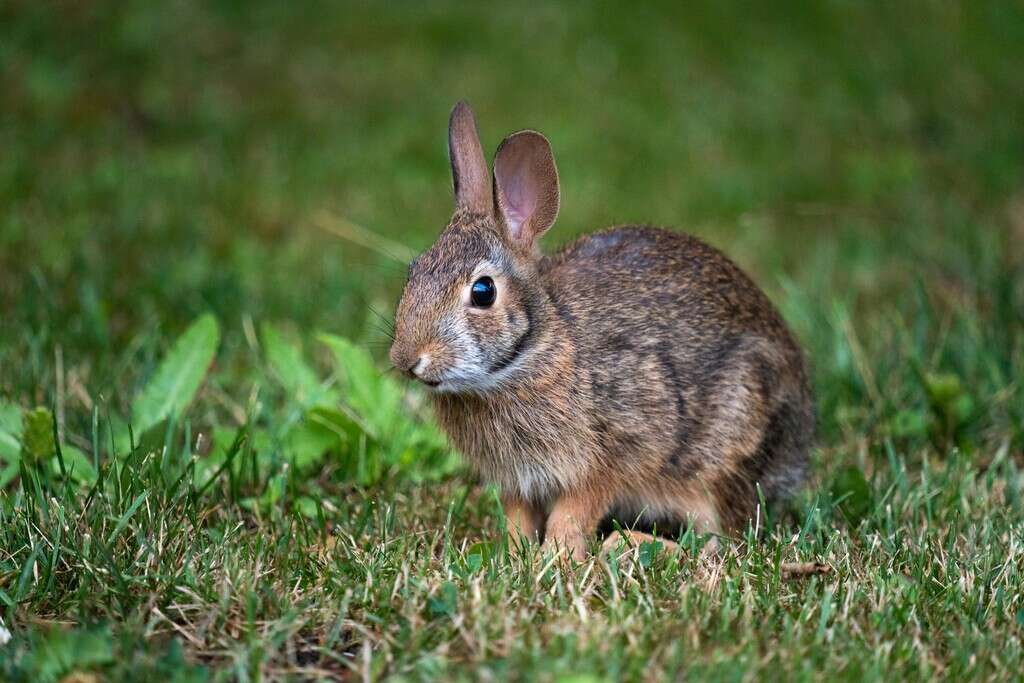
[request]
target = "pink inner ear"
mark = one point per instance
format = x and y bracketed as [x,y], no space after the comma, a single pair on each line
[519,201]
[527,185]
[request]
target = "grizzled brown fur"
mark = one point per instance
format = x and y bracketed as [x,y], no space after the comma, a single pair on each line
[638,373]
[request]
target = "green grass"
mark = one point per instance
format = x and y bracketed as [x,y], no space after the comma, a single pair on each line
[191,312]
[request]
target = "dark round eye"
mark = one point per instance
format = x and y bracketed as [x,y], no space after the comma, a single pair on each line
[483,292]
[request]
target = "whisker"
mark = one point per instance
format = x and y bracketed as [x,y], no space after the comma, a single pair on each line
[389,324]
[387,334]
[364,237]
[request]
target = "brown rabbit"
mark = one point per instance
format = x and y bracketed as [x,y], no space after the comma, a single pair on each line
[637,373]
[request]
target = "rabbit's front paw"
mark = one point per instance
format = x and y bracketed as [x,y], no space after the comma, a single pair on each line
[572,521]
[523,521]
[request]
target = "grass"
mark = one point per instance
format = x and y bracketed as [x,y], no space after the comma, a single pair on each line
[207,473]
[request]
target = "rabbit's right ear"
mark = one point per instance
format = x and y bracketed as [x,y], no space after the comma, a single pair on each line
[470,176]
[526,183]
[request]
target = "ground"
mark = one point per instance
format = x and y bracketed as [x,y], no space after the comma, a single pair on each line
[206,210]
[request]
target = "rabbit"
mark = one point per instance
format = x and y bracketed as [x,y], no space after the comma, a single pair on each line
[636,374]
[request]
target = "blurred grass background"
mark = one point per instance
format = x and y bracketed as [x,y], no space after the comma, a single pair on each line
[163,160]
[864,161]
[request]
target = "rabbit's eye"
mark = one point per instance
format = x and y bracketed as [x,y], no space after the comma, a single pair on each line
[483,292]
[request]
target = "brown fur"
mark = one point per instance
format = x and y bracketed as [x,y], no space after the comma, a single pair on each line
[637,373]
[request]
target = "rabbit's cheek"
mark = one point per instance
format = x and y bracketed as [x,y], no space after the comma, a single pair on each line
[495,335]
[458,365]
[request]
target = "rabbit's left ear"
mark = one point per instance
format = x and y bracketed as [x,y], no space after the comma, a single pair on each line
[471,178]
[526,186]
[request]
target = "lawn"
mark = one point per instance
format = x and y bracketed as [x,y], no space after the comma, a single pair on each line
[206,212]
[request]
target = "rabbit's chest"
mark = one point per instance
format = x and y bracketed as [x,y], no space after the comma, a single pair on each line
[534,449]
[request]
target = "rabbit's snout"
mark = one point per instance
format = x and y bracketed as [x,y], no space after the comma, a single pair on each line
[416,363]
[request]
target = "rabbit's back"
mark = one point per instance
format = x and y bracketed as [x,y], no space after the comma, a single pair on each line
[640,279]
[686,360]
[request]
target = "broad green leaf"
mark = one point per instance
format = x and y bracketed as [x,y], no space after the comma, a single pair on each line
[292,371]
[152,440]
[308,443]
[114,430]
[77,463]
[126,440]
[415,446]
[348,442]
[177,379]
[10,442]
[8,472]
[10,432]
[376,397]
[340,424]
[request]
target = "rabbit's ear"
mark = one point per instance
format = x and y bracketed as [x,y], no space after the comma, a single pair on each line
[470,175]
[526,184]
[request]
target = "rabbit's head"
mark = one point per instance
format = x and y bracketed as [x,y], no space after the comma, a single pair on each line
[471,310]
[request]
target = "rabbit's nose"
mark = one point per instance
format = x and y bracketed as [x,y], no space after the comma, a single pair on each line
[419,369]
[421,364]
